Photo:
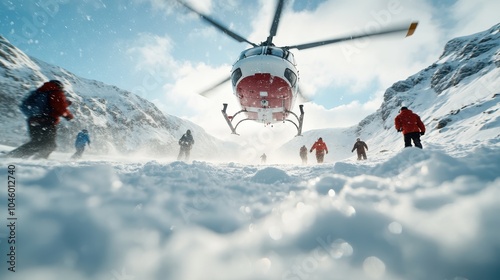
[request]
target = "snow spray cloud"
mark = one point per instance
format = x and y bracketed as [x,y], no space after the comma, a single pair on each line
[30,28]
[257,144]
[380,19]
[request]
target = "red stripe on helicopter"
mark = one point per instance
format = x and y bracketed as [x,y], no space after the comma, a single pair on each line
[263,90]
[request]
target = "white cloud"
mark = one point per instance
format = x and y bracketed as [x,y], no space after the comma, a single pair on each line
[474,16]
[152,51]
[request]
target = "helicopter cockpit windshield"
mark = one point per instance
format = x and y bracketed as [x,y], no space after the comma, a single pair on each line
[275,51]
[267,50]
[251,52]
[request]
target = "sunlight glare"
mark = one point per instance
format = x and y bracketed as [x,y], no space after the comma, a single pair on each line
[275,233]
[374,267]
[331,193]
[395,228]
[263,265]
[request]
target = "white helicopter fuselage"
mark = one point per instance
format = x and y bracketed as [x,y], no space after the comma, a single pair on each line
[265,81]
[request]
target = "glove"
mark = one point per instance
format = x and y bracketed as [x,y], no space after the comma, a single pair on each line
[400,130]
[68,117]
[327,152]
[310,151]
[422,133]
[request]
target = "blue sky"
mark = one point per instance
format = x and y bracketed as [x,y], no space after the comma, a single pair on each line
[162,52]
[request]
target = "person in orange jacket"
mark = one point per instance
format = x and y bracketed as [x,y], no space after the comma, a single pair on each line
[411,126]
[320,148]
[42,124]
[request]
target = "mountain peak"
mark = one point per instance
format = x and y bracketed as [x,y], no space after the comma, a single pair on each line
[474,45]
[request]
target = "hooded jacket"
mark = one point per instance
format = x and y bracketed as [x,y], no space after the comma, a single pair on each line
[303,151]
[186,140]
[320,147]
[408,122]
[359,146]
[57,102]
[82,139]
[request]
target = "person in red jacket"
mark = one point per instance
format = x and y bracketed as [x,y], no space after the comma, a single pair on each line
[412,127]
[320,148]
[42,127]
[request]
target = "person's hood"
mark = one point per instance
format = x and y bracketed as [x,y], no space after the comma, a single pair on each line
[406,112]
[49,86]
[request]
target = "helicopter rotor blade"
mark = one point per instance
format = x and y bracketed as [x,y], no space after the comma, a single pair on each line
[219,26]
[409,31]
[276,21]
[208,91]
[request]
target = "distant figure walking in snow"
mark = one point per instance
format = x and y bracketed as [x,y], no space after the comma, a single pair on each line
[303,154]
[263,158]
[320,148]
[82,139]
[42,108]
[360,147]
[412,127]
[186,143]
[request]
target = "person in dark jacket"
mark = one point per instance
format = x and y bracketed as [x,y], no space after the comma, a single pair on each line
[186,143]
[320,148]
[43,128]
[303,154]
[82,139]
[411,126]
[263,158]
[360,147]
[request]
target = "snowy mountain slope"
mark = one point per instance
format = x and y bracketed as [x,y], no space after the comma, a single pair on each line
[457,97]
[118,121]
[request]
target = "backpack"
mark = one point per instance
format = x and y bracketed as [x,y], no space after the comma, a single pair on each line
[36,104]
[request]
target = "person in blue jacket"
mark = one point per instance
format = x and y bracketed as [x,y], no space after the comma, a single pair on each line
[82,139]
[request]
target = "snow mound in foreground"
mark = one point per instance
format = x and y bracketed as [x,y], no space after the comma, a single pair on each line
[418,215]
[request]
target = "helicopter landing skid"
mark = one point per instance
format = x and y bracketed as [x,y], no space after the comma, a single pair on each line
[300,120]
[229,120]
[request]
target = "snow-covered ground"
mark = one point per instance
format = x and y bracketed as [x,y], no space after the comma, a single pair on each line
[407,214]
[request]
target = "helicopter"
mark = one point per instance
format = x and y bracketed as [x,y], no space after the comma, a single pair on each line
[265,78]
